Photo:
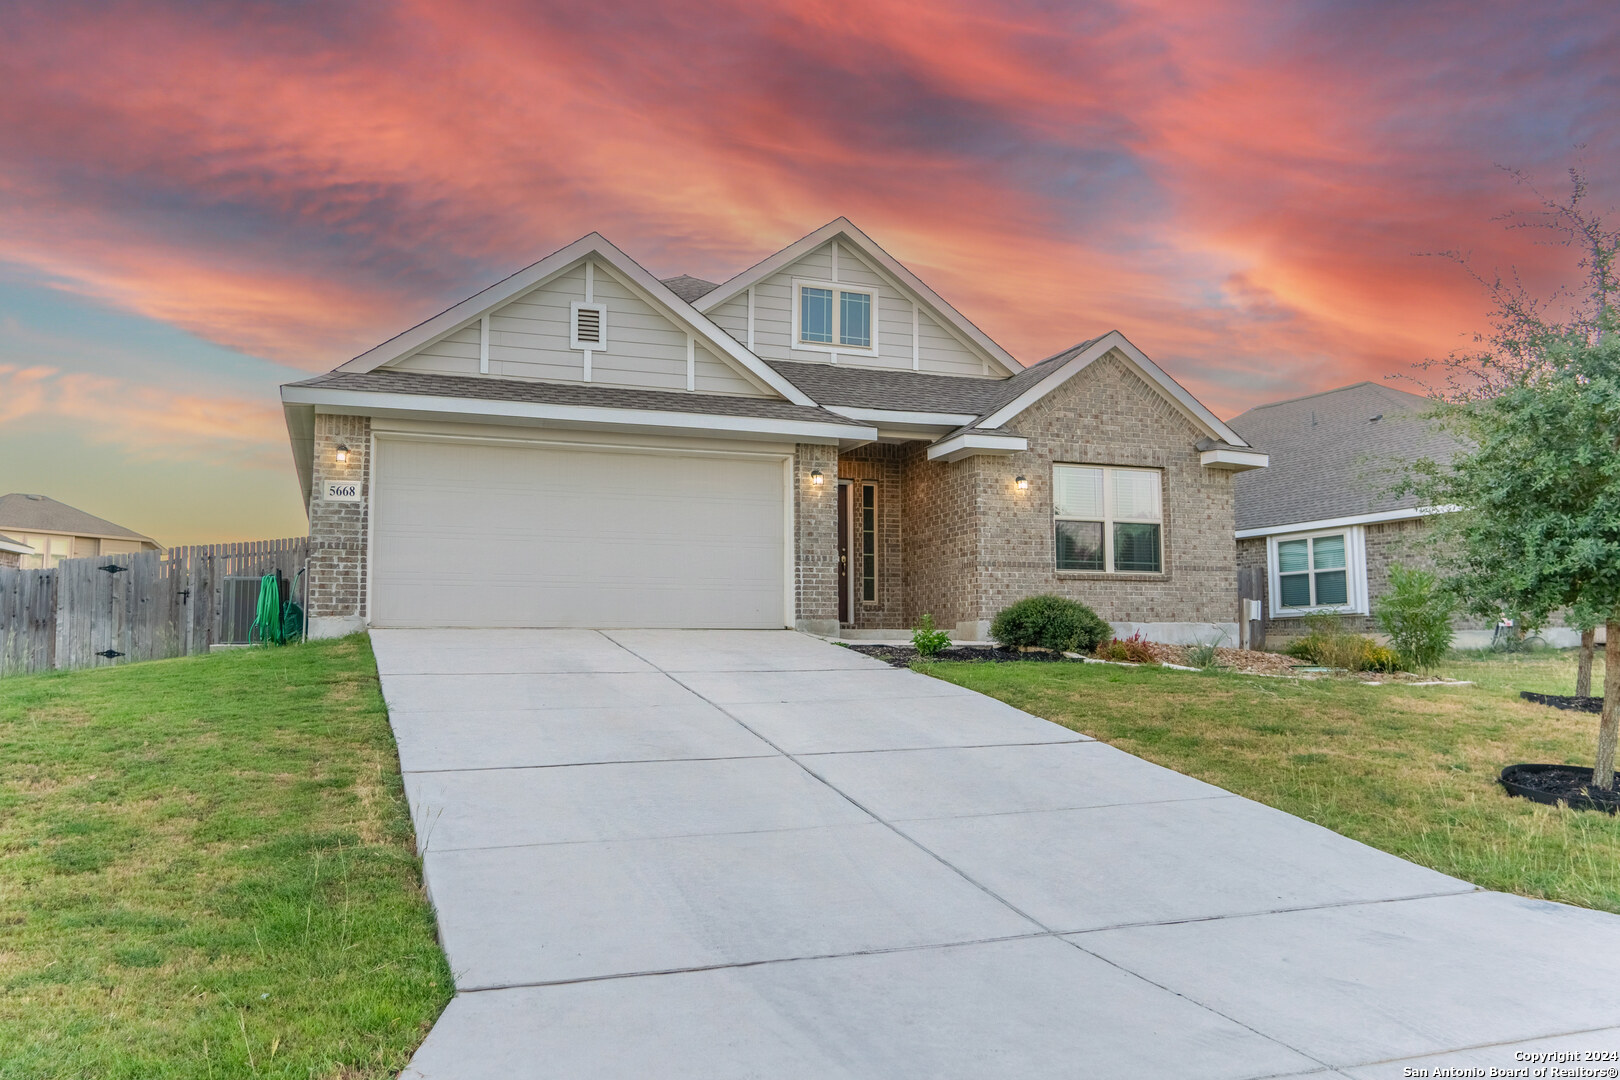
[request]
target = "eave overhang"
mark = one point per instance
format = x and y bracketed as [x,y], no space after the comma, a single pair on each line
[976,444]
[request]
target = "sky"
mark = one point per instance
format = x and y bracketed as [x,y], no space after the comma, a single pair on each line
[202,200]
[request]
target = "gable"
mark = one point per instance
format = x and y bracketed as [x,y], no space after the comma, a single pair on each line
[914,329]
[529,338]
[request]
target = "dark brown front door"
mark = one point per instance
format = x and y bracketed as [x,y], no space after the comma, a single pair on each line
[844,491]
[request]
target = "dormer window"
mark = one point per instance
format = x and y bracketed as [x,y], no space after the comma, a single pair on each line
[830,317]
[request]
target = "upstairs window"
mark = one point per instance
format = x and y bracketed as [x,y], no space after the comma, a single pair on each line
[1107,519]
[834,318]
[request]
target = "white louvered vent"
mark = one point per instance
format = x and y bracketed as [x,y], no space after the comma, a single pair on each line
[589,326]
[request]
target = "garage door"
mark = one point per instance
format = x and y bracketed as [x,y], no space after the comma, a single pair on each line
[478,534]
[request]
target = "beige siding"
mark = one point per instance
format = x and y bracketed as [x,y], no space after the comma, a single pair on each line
[732,317]
[939,353]
[528,339]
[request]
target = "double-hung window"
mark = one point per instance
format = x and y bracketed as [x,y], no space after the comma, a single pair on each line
[834,318]
[1108,519]
[1322,571]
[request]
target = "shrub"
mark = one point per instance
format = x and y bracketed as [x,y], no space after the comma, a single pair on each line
[1202,656]
[1416,614]
[929,640]
[1050,622]
[1132,650]
[1328,644]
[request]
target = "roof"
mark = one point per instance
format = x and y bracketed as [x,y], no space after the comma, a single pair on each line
[1335,454]
[8,544]
[689,288]
[908,391]
[593,395]
[40,513]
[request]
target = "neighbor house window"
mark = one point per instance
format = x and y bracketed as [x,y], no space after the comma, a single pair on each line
[834,318]
[1108,519]
[1322,571]
[48,551]
[869,543]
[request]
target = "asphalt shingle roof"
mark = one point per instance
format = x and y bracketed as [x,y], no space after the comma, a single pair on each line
[689,288]
[22,513]
[1334,454]
[594,395]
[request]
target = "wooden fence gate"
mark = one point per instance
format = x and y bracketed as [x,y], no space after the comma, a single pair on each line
[113,609]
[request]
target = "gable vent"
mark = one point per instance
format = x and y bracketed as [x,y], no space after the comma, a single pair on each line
[590,326]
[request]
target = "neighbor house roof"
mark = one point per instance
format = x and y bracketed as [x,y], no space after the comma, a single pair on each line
[40,513]
[588,395]
[8,544]
[1336,454]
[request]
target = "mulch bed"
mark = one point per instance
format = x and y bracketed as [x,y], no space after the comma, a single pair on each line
[1553,784]
[903,655]
[1563,701]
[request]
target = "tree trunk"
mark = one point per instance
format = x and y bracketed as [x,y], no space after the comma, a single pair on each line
[1583,673]
[1609,725]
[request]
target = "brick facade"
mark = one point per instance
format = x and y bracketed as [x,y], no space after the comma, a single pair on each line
[815,540]
[10,558]
[337,530]
[881,465]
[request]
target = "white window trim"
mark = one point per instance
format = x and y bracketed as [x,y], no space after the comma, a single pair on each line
[1355,562]
[1108,518]
[800,284]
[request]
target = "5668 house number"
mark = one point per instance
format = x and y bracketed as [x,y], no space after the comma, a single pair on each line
[342,491]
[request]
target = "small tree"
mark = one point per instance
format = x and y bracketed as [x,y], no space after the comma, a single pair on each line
[1536,526]
[1416,614]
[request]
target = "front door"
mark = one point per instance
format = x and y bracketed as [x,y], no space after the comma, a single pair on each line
[844,495]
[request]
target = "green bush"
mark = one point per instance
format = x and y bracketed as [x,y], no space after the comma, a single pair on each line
[1050,622]
[1416,614]
[1203,656]
[929,639]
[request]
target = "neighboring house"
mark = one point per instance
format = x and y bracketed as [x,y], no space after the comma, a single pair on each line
[1325,522]
[820,442]
[53,531]
[12,551]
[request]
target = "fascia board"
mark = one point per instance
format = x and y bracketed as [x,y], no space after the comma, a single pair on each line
[20,549]
[1177,394]
[868,249]
[898,416]
[1334,523]
[969,444]
[1234,460]
[362,402]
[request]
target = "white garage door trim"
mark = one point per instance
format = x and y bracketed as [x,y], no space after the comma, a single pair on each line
[789,543]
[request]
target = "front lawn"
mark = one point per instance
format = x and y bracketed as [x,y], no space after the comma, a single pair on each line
[208,871]
[1409,769]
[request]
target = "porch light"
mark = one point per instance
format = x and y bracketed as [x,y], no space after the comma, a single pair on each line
[342,454]
[1022,483]
[816,478]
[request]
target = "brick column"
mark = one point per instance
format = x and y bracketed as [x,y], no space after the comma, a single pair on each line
[337,529]
[815,539]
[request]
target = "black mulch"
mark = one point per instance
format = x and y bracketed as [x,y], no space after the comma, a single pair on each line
[903,655]
[1570,784]
[1561,701]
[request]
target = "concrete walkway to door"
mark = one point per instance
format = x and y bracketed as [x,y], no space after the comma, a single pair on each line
[729,854]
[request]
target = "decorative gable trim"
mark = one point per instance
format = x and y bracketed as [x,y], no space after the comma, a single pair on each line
[627,270]
[881,263]
[1174,392]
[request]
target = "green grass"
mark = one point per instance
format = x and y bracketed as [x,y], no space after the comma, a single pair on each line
[207,870]
[1407,769]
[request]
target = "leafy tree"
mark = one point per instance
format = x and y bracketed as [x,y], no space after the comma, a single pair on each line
[1536,521]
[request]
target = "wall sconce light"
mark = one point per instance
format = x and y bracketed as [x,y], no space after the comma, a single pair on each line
[342,454]
[816,478]
[1022,483]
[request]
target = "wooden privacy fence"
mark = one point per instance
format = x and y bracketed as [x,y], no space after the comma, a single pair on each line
[147,605]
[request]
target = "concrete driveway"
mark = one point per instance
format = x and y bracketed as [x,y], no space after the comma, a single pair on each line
[715,854]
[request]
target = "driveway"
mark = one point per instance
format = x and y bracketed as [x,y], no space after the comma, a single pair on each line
[729,854]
